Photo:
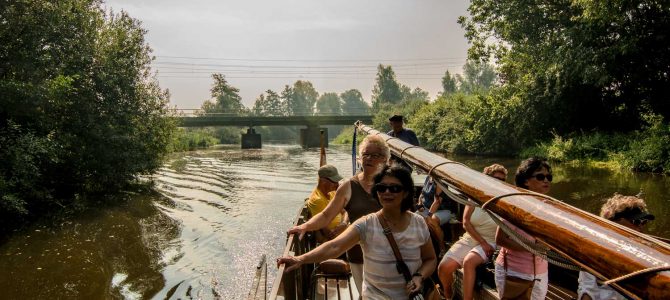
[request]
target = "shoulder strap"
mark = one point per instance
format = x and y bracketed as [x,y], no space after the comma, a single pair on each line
[400,264]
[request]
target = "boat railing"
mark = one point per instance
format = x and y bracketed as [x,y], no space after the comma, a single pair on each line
[295,285]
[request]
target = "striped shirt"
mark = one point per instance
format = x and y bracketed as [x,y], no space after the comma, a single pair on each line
[381,279]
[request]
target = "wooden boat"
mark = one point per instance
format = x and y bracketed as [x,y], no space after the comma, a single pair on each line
[633,263]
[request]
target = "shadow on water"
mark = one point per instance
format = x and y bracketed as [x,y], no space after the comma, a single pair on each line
[107,253]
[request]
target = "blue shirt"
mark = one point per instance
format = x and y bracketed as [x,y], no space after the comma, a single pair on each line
[405,135]
[429,195]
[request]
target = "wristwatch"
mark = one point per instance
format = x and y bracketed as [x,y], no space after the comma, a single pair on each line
[417,274]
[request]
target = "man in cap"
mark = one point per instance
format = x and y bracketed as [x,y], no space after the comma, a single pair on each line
[629,211]
[404,134]
[325,189]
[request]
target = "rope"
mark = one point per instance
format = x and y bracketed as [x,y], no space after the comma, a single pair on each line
[403,150]
[636,273]
[496,198]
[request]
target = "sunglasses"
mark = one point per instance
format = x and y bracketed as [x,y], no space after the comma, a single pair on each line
[541,177]
[639,222]
[394,188]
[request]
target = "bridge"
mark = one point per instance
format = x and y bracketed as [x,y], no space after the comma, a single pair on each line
[309,136]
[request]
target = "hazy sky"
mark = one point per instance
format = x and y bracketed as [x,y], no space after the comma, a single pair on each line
[262,45]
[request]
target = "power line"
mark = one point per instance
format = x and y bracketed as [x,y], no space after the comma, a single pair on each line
[313,60]
[297,67]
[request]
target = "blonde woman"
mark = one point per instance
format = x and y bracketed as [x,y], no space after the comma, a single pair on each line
[354,195]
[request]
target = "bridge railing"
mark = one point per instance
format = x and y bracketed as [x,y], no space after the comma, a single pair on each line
[195,112]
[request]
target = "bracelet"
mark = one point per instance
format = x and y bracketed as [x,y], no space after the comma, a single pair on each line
[418,274]
[430,214]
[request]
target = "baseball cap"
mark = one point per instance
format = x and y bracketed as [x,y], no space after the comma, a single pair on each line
[330,172]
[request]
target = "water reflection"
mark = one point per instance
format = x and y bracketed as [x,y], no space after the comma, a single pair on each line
[108,253]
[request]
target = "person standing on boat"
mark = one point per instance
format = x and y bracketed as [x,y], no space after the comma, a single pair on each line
[355,197]
[474,248]
[533,174]
[394,190]
[404,134]
[629,211]
[324,191]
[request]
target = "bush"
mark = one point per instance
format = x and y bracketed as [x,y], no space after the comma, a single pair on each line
[649,150]
[191,139]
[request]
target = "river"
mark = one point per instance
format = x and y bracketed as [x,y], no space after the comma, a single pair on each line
[199,233]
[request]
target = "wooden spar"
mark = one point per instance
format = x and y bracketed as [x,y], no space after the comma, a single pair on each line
[322,160]
[607,248]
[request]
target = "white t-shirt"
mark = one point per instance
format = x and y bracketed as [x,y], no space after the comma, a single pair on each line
[381,277]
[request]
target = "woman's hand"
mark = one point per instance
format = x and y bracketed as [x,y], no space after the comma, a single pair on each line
[299,229]
[488,249]
[291,263]
[415,284]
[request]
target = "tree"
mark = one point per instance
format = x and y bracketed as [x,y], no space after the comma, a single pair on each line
[353,103]
[386,89]
[268,104]
[259,106]
[477,77]
[448,84]
[303,98]
[579,64]
[225,98]
[329,104]
[286,98]
[413,95]
[80,110]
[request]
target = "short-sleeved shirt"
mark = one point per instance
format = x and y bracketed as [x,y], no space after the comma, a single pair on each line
[484,225]
[381,277]
[405,135]
[521,261]
[317,202]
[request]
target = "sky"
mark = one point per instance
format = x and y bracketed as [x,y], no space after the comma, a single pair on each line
[267,44]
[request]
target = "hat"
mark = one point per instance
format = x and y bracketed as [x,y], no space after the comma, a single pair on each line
[633,214]
[396,118]
[330,172]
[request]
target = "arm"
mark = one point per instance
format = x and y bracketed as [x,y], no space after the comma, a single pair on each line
[467,214]
[503,240]
[428,265]
[330,249]
[437,200]
[323,218]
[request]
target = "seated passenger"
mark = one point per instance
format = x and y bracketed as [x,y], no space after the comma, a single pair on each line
[325,189]
[434,202]
[474,247]
[393,189]
[629,211]
[513,260]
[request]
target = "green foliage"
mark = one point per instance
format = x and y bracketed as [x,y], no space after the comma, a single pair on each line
[329,104]
[407,109]
[346,136]
[302,99]
[448,83]
[649,150]
[580,147]
[353,103]
[269,104]
[225,98]
[191,139]
[386,90]
[580,65]
[80,112]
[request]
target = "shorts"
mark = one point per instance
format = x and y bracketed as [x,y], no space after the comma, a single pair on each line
[444,215]
[462,247]
[540,287]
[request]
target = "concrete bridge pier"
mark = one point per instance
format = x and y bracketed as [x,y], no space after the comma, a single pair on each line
[310,137]
[251,139]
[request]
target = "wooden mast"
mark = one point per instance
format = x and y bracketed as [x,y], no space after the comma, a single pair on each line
[603,246]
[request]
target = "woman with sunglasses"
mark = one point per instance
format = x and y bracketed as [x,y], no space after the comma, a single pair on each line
[355,197]
[394,190]
[629,211]
[533,174]
[474,247]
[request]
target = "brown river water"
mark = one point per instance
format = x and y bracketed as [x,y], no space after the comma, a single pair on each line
[201,231]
